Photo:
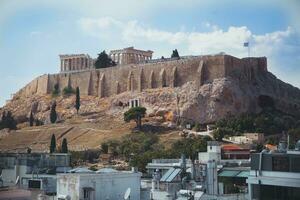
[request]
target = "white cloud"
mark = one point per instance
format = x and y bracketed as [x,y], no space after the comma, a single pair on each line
[280,47]
[211,42]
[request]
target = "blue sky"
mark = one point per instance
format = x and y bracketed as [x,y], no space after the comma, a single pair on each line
[33,33]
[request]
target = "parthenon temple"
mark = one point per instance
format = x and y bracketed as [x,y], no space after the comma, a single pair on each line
[75,62]
[130,56]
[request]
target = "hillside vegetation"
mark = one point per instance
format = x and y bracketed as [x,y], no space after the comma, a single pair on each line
[269,121]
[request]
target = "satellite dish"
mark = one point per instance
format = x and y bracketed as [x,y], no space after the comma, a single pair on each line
[127,194]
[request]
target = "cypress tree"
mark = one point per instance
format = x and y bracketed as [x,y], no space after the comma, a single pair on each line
[175,54]
[77,102]
[104,61]
[31,119]
[53,144]
[64,146]
[53,114]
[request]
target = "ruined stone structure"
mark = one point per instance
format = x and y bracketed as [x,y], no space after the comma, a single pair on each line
[130,56]
[75,62]
[202,88]
[114,80]
[81,62]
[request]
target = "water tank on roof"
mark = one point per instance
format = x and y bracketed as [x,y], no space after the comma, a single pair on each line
[282,147]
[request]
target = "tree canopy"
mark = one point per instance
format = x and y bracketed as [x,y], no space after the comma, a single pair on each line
[175,54]
[67,91]
[136,114]
[104,61]
[8,121]
[140,148]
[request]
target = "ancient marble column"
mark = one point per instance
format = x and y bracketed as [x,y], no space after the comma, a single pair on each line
[127,58]
[71,63]
[77,64]
[74,63]
[63,65]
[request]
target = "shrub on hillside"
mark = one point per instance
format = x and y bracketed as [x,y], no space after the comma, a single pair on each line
[55,91]
[68,91]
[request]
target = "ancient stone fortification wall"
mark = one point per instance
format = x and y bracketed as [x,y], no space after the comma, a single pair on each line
[115,80]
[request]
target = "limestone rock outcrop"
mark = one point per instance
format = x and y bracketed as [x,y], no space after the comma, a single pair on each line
[201,89]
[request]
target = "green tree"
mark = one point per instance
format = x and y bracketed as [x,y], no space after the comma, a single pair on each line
[219,133]
[104,61]
[77,101]
[104,147]
[31,119]
[64,146]
[68,91]
[53,144]
[136,114]
[53,114]
[29,150]
[175,54]
[55,92]
[8,121]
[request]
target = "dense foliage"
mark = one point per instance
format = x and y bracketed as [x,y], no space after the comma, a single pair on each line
[175,54]
[140,148]
[8,121]
[136,114]
[79,157]
[104,61]
[269,121]
[68,91]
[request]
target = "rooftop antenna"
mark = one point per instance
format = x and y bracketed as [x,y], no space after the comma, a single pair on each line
[127,194]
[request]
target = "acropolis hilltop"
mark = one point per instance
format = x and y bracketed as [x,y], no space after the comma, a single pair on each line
[136,71]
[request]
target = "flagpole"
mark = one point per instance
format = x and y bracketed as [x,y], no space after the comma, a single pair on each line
[248,50]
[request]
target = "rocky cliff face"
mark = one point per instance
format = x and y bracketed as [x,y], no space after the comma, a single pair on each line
[213,100]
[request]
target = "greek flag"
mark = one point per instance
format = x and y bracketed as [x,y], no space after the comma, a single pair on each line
[246,44]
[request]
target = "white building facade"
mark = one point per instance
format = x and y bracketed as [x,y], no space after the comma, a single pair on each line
[104,184]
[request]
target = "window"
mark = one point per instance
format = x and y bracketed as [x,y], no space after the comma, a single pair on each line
[86,194]
[34,184]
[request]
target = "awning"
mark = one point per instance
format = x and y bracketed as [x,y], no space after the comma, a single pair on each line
[234,173]
[229,173]
[88,188]
[170,175]
[244,174]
